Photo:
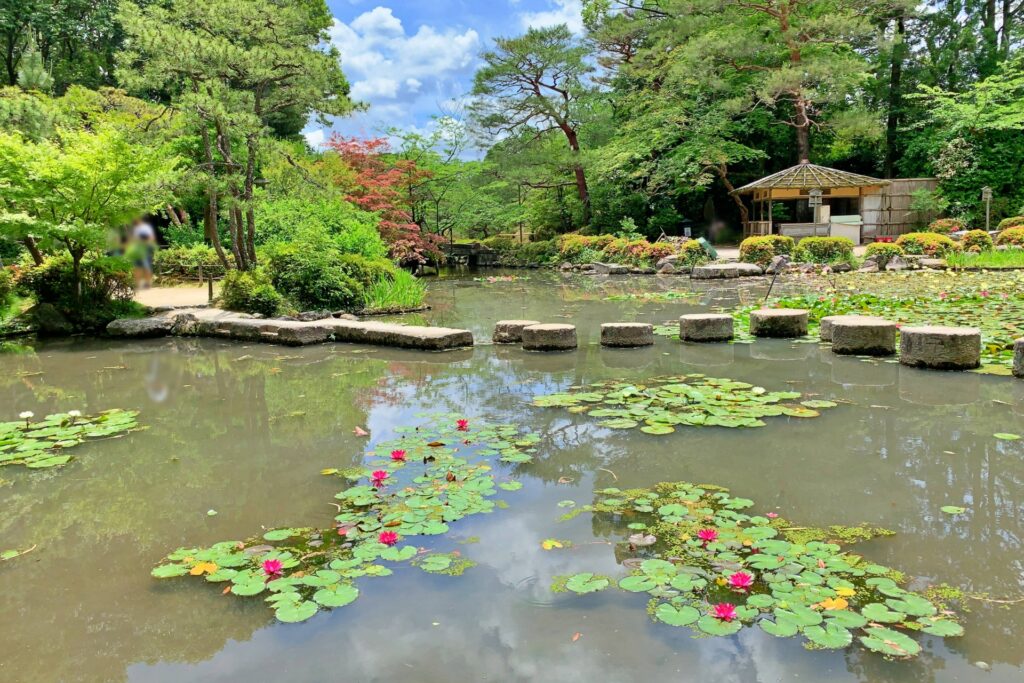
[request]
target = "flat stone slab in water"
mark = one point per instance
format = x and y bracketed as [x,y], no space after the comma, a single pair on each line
[213,322]
[511,331]
[941,348]
[141,328]
[549,337]
[825,325]
[857,335]
[720,271]
[1018,358]
[778,322]
[627,334]
[706,327]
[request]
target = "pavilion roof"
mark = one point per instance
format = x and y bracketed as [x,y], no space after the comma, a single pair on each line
[810,176]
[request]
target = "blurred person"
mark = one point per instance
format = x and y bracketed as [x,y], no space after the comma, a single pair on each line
[141,250]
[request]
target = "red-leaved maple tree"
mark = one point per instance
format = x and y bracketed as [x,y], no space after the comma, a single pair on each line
[382,185]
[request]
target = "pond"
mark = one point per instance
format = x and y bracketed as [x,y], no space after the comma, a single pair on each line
[235,438]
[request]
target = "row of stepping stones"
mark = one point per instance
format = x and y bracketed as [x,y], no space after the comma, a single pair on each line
[940,348]
[535,336]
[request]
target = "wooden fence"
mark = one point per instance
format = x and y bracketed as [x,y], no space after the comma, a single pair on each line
[888,213]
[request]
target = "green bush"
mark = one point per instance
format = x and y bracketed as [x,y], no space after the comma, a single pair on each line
[537,252]
[692,253]
[927,243]
[313,279]
[824,250]
[575,247]
[977,240]
[106,289]
[185,261]
[1012,237]
[944,226]
[349,229]
[763,248]
[884,252]
[366,271]
[250,292]
[502,243]
[399,292]
[1011,222]
[6,286]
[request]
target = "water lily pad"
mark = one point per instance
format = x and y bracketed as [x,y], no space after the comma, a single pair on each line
[657,430]
[1007,437]
[718,627]
[878,612]
[890,642]
[780,628]
[638,583]
[953,509]
[337,595]
[586,583]
[293,613]
[832,636]
[676,616]
[946,628]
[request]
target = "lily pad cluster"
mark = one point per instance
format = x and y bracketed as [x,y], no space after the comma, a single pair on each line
[710,566]
[44,443]
[661,404]
[413,486]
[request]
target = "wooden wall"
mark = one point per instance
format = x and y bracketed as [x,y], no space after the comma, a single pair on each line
[887,213]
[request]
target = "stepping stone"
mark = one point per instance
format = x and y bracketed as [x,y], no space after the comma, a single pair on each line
[627,334]
[1018,358]
[782,323]
[941,348]
[857,335]
[825,325]
[723,271]
[511,331]
[706,327]
[549,337]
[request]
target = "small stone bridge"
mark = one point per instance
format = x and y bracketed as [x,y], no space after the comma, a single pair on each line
[472,254]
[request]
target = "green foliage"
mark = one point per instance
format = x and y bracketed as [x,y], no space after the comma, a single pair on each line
[927,243]
[692,253]
[400,291]
[299,571]
[1011,237]
[574,247]
[944,226]
[994,260]
[762,249]
[250,292]
[976,240]
[883,252]
[313,279]
[101,292]
[44,444]
[185,261]
[1011,222]
[824,250]
[349,229]
[6,287]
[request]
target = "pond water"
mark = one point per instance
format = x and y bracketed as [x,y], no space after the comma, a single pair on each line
[245,430]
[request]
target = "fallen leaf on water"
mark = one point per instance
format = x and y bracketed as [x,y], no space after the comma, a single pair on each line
[359,431]
[1003,436]
[328,471]
[203,568]
[576,636]
[551,543]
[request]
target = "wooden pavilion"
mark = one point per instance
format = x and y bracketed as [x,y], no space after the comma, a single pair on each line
[841,210]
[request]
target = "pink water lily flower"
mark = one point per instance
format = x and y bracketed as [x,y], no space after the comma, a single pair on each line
[379,477]
[462,425]
[707,535]
[724,611]
[388,538]
[398,455]
[772,515]
[272,568]
[984,292]
[741,581]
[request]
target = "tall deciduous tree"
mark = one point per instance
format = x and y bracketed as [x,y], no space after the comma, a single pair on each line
[534,84]
[236,67]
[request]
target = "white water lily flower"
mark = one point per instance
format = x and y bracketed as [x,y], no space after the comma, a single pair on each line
[26,415]
[74,413]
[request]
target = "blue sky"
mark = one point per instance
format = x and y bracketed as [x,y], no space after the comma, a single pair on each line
[413,59]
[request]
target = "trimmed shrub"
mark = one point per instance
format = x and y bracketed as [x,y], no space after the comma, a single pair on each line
[1013,237]
[927,243]
[250,292]
[185,261]
[977,241]
[536,252]
[824,250]
[106,289]
[313,279]
[944,226]
[1011,222]
[571,247]
[349,229]
[692,253]
[763,248]
[883,252]
[500,243]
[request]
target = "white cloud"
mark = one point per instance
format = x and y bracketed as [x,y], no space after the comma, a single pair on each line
[403,76]
[315,138]
[569,12]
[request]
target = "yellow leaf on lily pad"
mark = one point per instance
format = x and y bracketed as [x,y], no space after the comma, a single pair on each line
[845,592]
[833,604]
[328,471]
[203,568]
[551,544]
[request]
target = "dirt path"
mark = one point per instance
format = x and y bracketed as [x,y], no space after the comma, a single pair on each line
[162,297]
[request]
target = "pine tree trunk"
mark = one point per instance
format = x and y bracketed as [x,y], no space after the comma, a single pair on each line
[210,214]
[581,178]
[33,249]
[892,122]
